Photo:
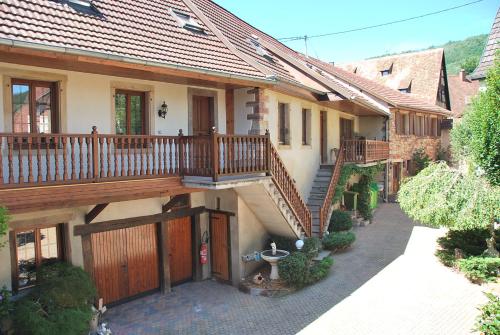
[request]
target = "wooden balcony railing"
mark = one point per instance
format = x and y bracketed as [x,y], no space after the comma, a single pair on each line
[327,203]
[286,185]
[365,151]
[29,160]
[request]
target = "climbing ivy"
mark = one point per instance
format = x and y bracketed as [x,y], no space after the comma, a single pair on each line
[4,227]
[440,196]
[367,177]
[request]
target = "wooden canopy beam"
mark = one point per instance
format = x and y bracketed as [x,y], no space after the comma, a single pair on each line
[90,216]
[100,227]
[174,201]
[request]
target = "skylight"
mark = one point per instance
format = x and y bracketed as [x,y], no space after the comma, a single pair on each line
[82,6]
[186,21]
[386,72]
[255,42]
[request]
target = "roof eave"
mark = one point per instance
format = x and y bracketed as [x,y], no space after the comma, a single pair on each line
[132,60]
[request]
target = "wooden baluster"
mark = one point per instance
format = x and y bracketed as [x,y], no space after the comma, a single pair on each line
[30,161]
[57,176]
[73,168]
[108,154]
[102,173]
[90,171]
[122,142]
[114,141]
[20,159]
[148,166]
[129,154]
[170,161]
[39,177]
[65,158]
[154,141]
[95,153]
[80,147]
[143,163]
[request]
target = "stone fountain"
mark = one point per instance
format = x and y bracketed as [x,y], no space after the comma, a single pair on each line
[272,257]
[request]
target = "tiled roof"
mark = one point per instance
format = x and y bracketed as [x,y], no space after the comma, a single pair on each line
[462,90]
[389,95]
[492,46]
[141,29]
[422,69]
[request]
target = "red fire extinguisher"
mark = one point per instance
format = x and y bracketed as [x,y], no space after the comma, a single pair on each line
[204,249]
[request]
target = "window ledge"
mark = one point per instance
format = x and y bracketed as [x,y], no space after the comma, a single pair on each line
[306,146]
[284,147]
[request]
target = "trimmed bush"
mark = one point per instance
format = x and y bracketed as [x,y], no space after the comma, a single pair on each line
[480,269]
[488,322]
[340,221]
[320,270]
[338,240]
[311,247]
[294,269]
[59,304]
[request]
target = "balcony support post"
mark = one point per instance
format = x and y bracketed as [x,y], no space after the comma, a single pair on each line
[214,145]
[268,152]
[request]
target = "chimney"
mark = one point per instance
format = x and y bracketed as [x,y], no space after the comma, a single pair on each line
[462,75]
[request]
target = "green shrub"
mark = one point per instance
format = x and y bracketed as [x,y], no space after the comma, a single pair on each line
[59,304]
[446,257]
[472,242]
[311,247]
[480,269]
[4,226]
[282,242]
[340,221]
[488,322]
[294,269]
[5,303]
[338,240]
[420,160]
[320,270]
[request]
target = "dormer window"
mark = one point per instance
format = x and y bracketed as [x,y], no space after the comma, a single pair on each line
[386,72]
[405,90]
[355,70]
[186,21]
[255,42]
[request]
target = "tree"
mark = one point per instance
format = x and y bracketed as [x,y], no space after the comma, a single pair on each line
[470,64]
[477,137]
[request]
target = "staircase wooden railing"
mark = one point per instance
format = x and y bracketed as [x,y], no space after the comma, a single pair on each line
[286,185]
[327,203]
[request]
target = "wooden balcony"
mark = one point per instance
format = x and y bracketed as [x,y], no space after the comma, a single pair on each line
[31,163]
[30,160]
[365,151]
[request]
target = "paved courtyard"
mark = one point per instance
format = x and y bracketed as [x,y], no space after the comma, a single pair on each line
[388,283]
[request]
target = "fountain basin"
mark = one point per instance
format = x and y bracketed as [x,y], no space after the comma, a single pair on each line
[268,256]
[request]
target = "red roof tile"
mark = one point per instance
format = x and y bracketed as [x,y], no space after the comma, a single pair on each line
[142,29]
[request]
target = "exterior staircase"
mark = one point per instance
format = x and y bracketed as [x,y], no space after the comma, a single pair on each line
[318,194]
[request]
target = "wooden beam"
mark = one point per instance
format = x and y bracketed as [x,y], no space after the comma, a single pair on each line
[99,227]
[173,202]
[165,282]
[94,212]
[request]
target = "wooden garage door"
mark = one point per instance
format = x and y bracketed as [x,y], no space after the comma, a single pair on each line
[125,262]
[180,250]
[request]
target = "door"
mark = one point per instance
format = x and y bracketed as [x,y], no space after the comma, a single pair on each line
[220,246]
[323,128]
[180,237]
[396,177]
[346,129]
[130,113]
[125,262]
[203,115]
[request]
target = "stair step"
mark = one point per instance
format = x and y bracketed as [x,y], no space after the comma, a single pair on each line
[322,254]
[326,166]
[315,202]
[324,173]
[322,179]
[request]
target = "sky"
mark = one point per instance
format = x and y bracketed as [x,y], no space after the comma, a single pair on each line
[286,18]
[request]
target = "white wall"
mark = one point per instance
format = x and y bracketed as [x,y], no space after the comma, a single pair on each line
[372,127]
[89,100]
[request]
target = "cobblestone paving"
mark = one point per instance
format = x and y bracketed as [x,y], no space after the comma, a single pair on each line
[364,294]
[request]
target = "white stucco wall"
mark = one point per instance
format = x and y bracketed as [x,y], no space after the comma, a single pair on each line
[372,127]
[88,100]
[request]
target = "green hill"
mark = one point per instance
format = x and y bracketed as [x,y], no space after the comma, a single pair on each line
[466,51]
[458,53]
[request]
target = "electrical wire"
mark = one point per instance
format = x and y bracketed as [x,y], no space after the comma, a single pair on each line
[306,37]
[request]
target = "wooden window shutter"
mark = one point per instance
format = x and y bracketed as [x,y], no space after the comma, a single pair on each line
[412,124]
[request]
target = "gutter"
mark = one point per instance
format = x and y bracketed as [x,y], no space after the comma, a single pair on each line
[131,60]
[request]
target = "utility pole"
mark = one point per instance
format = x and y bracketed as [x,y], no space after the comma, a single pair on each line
[305,41]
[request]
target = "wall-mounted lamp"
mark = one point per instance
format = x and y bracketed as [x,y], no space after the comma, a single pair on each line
[162,112]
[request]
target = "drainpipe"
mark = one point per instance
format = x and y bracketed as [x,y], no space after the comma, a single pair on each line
[387,164]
